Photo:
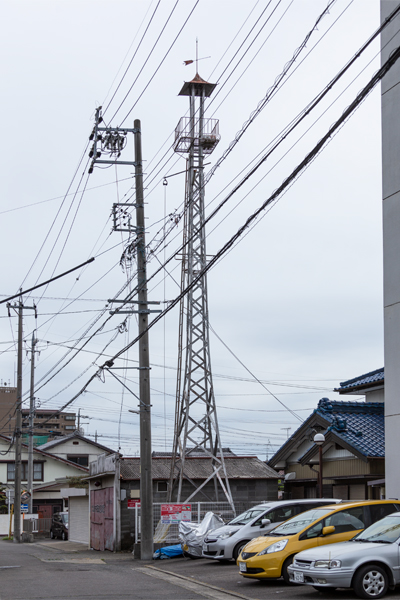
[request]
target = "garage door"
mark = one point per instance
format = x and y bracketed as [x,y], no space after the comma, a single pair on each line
[79,519]
[357,492]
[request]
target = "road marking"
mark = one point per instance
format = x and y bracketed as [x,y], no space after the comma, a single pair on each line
[77,561]
[11,567]
[199,587]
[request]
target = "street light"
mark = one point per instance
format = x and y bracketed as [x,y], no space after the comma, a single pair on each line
[319,439]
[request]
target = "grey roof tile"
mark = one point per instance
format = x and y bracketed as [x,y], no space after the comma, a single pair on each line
[243,467]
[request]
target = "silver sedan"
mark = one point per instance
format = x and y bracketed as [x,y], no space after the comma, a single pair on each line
[369,563]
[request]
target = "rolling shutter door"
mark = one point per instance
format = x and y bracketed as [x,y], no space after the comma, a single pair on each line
[79,519]
[357,491]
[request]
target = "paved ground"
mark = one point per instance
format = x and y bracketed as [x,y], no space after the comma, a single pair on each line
[55,570]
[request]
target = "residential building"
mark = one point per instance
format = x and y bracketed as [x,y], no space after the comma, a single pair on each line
[49,471]
[371,385]
[353,452]
[45,428]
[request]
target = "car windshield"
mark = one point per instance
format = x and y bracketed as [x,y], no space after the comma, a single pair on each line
[247,516]
[64,518]
[299,522]
[387,530]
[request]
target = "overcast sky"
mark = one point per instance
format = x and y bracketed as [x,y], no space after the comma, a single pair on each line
[298,300]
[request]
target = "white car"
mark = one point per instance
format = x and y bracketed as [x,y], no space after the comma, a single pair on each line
[369,563]
[226,543]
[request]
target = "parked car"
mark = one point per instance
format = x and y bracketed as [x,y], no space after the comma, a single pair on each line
[270,557]
[226,542]
[359,564]
[59,526]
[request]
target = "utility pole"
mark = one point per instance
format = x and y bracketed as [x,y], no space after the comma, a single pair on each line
[18,424]
[31,417]
[146,487]
[112,141]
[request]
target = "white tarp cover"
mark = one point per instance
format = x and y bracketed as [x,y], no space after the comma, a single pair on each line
[192,535]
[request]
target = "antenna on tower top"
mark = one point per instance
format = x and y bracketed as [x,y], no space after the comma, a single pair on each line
[197,55]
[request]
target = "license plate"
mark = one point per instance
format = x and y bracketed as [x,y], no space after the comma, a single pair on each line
[242,567]
[299,577]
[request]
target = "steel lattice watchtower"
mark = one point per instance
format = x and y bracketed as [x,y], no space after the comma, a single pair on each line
[196,423]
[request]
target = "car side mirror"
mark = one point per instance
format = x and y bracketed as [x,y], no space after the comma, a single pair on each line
[265,522]
[328,530]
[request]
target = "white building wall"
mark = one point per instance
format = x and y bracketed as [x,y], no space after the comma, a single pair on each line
[391,248]
[74,446]
[52,468]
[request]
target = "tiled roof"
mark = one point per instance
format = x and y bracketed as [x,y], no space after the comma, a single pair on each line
[360,424]
[73,436]
[365,380]
[191,452]
[243,467]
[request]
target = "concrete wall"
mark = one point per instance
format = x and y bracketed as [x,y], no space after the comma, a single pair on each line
[391,248]
[5,524]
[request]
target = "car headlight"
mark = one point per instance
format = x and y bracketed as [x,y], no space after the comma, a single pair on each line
[328,564]
[224,536]
[277,547]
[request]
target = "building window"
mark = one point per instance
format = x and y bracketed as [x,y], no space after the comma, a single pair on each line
[69,417]
[37,471]
[70,427]
[82,459]
[162,486]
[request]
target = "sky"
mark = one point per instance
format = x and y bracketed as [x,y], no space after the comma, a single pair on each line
[295,306]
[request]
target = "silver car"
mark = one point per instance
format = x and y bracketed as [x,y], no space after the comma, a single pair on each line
[369,563]
[226,543]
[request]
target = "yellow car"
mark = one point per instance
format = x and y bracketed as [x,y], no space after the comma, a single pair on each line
[269,556]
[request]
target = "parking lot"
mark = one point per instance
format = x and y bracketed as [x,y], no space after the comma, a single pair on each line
[56,570]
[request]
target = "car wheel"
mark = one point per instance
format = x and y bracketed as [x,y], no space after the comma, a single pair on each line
[285,573]
[64,536]
[52,534]
[238,549]
[324,589]
[371,581]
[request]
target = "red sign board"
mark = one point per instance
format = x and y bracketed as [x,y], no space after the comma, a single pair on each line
[133,503]
[175,513]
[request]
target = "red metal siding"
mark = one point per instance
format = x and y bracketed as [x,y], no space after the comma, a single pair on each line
[101,519]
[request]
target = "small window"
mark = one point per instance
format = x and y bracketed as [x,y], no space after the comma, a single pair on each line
[10,471]
[82,460]
[162,486]
[37,471]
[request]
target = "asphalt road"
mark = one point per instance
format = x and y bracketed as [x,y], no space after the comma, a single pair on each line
[66,571]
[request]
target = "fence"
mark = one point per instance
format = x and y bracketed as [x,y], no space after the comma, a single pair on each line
[38,526]
[169,533]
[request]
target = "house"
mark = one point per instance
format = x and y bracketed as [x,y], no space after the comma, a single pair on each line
[47,469]
[114,486]
[371,385]
[76,448]
[79,450]
[353,452]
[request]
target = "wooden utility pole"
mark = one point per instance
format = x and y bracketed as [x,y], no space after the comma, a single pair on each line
[18,424]
[18,433]
[146,487]
[31,417]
